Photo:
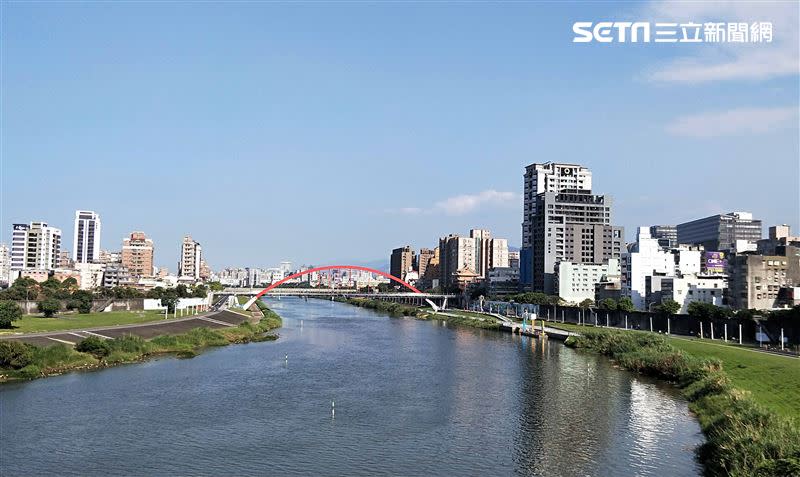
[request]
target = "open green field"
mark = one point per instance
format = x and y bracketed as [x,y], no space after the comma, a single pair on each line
[71,321]
[773,381]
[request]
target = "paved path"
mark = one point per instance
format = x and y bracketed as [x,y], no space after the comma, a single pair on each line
[217,319]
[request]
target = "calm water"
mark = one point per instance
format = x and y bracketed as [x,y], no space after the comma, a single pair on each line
[411,398]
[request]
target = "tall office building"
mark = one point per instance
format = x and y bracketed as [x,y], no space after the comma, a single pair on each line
[667,235]
[35,246]
[86,240]
[401,262]
[571,225]
[720,232]
[191,255]
[540,178]
[137,254]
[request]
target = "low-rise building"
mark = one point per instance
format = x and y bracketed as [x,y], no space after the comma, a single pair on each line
[687,289]
[117,276]
[756,280]
[576,282]
[503,281]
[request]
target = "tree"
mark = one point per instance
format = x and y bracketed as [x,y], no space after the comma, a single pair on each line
[200,291]
[15,354]
[587,303]
[668,307]
[70,284]
[83,301]
[215,286]
[608,304]
[96,346]
[706,311]
[182,291]
[49,307]
[9,311]
[170,300]
[625,304]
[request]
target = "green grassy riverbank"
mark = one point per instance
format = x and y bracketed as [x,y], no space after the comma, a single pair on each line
[744,438]
[20,361]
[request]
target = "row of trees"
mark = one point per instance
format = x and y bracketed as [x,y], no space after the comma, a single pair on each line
[52,294]
[25,288]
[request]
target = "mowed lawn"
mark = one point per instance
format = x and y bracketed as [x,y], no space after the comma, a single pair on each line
[774,381]
[70,321]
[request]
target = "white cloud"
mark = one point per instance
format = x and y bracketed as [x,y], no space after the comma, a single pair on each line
[734,121]
[463,204]
[730,61]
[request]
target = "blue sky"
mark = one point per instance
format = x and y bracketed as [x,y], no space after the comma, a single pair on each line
[329,132]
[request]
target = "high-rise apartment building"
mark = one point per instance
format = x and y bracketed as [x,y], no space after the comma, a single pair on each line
[540,178]
[137,254]
[667,235]
[490,252]
[424,259]
[456,254]
[5,264]
[720,232]
[401,262]
[86,239]
[189,263]
[18,248]
[35,246]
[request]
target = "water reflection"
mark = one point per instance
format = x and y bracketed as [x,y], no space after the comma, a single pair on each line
[412,398]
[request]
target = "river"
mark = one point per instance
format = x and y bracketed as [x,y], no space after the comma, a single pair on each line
[411,398]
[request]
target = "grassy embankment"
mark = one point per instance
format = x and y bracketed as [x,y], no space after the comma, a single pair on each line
[455,317]
[773,381]
[71,321]
[58,359]
[744,437]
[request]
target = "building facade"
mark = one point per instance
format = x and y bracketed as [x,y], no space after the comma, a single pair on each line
[576,282]
[667,235]
[540,178]
[720,232]
[687,289]
[137,254]
[86,239]
[401,262]
[189,263]
[571,226]
[5,264]
[759,281]
[35,246]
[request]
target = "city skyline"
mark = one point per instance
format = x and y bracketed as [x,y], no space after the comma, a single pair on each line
[197,128]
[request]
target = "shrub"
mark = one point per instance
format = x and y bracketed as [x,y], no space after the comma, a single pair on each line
[97,347]
[14,354]
[30,371]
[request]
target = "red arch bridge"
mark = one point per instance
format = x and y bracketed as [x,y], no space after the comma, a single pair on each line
[412,296]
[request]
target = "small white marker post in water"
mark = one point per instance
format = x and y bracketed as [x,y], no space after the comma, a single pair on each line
[333,409]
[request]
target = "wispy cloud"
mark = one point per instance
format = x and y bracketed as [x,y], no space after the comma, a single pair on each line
[731,61]
[734,121]
[463,204]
